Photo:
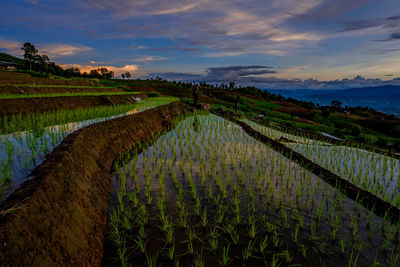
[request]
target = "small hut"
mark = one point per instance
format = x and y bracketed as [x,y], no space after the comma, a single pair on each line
[5,65]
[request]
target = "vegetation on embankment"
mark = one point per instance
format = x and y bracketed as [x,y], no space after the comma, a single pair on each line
[362,125]
[9,107]
[61,212]
[12,96]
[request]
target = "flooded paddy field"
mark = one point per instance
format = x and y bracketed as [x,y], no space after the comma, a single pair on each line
[24,143]
[374,172]
[206,193]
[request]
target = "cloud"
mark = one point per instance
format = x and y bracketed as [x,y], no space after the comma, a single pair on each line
[141,8]
[173,49]
[385,51]
[296,37]
[255,76]
[52,50]
[133,69]
[397,17]
[220,74]
[219,28]
[11,47]
[177,76]
[139,47]
[62,50]
[233,73]
[361,25]
[395,35]
[328,9]
[148,59]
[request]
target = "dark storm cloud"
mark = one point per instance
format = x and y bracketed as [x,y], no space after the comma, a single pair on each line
[220,74]
[328,10]
[176,76]
[360,25]
[395,35]
[234,73]
[274,82]
[397,17]
[385,51]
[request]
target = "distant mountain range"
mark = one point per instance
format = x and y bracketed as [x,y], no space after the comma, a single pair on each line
[382,98]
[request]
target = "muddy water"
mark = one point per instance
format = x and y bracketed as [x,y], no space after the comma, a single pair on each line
[208,162]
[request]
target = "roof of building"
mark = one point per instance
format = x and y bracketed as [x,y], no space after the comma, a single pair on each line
[7,63]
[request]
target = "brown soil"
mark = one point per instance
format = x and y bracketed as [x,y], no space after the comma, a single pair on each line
[303,120]
[24,78]
[367,199]
[59,217]
[293,109]
[14,106]
[141,88]
[18,90]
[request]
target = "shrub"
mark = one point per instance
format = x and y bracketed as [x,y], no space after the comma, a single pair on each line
[152,94]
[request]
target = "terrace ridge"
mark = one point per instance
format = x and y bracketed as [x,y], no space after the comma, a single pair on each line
[61,212]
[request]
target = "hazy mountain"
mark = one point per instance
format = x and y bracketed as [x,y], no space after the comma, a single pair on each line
[383,98]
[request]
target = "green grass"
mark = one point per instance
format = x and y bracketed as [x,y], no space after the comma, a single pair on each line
[9,96]
[259,103]
[37,121]
[57,86]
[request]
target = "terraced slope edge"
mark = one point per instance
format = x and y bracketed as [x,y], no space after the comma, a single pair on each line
[59,216]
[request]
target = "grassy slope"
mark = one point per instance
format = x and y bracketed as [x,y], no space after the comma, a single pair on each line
[9,58]
[366,126]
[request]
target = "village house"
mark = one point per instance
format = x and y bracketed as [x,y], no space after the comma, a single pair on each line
[5,65]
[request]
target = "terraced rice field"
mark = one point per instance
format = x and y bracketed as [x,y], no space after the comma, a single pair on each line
[207,194]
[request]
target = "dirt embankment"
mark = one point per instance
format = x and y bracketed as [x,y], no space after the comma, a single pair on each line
[59,217]
[141,88]
[13,106]
[293,109]
[24,78]
[26,89]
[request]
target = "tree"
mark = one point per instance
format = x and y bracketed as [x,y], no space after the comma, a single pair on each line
[105,73]
[42,61]
[356,130]
[30,53]
[72,72]
[123,76]
[336,104]
[127,75]
[94,74]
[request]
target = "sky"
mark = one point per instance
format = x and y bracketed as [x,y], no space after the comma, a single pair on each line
[279,44]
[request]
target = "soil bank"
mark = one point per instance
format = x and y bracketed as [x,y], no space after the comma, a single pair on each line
[9,107]
[59,216]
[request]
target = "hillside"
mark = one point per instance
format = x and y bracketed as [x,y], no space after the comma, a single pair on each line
[382,98]
[9,58]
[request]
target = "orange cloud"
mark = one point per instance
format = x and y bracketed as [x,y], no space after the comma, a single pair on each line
[11,47]
[132,69]
[62,50]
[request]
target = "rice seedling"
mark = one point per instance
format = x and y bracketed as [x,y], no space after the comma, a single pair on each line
[25,140]
[216,191]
